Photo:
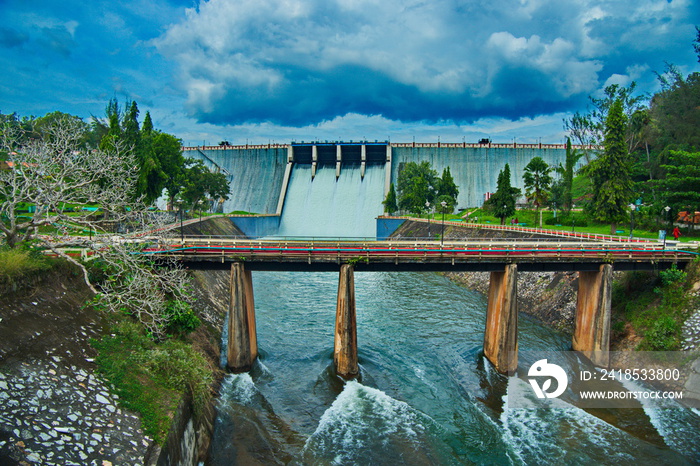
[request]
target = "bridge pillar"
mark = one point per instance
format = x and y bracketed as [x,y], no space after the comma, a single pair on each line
[345,344]
[501,336]
[242,347]
[592,328]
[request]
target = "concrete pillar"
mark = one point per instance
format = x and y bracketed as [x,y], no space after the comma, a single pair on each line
[338,160]
[345,345]
[363,161]
[314,160]
[242,338]
[501,336]
[387,170]
[592,328]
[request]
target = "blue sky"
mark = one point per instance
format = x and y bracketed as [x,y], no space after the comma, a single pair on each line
[281,70]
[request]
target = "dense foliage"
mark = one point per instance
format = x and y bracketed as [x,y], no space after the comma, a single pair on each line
[420,189]
[502,202]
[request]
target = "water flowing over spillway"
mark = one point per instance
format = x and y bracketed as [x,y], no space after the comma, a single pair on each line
[426,395]
[330,207]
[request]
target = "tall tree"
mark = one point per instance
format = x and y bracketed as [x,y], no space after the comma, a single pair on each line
[502,202]
[147,126]
[130,126]
[567,175]
[390,202]
[417,184]
[537,181]
[447,187]
[680,185]
[589,129]
[610,173]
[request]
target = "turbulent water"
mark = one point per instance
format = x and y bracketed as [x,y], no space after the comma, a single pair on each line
[426,395]
[330,207]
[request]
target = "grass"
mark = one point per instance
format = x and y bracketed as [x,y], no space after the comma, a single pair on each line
[151,378]
[531,219]
[18,264]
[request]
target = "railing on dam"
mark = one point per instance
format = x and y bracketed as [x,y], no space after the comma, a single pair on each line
[511,145]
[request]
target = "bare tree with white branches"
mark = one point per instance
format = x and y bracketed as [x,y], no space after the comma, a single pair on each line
[60,180]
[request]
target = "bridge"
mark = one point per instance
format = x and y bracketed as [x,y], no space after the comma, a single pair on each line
[594,260]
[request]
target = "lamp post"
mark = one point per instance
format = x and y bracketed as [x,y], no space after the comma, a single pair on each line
[667,209]
[632,209]
[179,202]
[200,203]
[573,219]
[442,233]
[427,208]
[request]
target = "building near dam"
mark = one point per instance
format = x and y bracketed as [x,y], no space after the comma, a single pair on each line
[337,188]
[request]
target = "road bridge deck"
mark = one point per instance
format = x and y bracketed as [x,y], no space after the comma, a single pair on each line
[467,255]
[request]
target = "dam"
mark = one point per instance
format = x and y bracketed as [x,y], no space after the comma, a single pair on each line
[337,188]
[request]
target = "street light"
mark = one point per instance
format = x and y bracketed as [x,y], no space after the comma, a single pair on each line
[442,233]
[179,203]
[427,208]
[200,203]
[632,209]
[667,209]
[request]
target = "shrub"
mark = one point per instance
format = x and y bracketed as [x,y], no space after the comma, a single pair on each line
[672,276]
[150,377]
[663,335]
[180,317]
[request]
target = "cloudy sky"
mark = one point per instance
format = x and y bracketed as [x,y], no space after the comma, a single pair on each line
[281,70]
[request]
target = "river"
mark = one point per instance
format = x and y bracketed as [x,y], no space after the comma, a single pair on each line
[426,394]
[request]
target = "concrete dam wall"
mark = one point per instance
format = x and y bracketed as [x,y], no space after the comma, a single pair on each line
[288,179]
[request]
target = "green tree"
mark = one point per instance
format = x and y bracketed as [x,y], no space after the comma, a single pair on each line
[167,151]
[199,183]
[588,129]
[130,126]
[447,187]
[680,185]
[390,202]
[537,182]
[417,184]
[567,171]
[502,202]
[147,126]
[610,173]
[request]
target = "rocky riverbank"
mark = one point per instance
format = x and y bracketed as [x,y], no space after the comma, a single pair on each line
[54,409]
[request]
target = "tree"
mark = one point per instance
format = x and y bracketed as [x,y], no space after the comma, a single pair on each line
[167,151]
[610,173]
[390,202]
[417,184]
[502,202]
[147,126]
[447,187]
[567,176]
[589,129]
[680,185]
[537,182]
[130,126]
[199,183]
[51,177]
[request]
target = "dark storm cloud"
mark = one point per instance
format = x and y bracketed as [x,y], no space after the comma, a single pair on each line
[296,63]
